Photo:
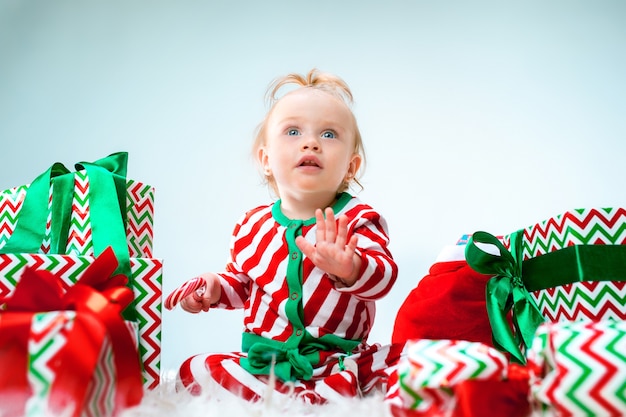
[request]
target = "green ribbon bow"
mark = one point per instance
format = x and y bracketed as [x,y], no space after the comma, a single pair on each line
[513,280]
[288,361]
[505,292]
[107,207]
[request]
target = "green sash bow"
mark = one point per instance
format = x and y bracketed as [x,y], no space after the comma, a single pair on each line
[289,362]
[513,279]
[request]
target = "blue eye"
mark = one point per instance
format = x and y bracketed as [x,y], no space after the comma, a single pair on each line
[293,132]
[329,134]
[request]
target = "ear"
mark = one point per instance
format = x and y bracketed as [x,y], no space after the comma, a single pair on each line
[353,166]
[264,160]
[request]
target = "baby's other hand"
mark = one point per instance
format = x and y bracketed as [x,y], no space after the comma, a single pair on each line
[198,294]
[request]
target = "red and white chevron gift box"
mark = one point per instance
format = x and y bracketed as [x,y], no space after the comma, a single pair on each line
[429,371]
[46,335]
[139,212]
[599,298]
[578,369]
[146,281]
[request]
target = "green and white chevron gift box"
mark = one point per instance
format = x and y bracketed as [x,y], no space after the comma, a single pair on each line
[569,267]
[579,369]
[145,281]
[429,371]
[137,198]
[592,297]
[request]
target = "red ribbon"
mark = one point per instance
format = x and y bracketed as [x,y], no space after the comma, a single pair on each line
[98,299]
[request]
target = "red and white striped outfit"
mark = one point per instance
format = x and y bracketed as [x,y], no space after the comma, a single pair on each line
[297,324]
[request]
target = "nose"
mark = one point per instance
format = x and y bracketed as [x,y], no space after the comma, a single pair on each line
[310,142]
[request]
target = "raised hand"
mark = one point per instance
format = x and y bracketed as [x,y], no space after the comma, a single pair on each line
[333,252]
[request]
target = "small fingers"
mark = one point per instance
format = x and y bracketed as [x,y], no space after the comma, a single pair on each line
[196,301]
[190,305]
[320,234]
[342,231]
[351,246]
[182,292]
[305,246]
[331,226]
[198,295]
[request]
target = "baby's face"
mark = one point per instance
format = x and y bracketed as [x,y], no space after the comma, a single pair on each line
[310,143]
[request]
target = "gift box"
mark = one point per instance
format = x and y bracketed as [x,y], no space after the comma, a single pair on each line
[145,280]
[594,297]
[45,337]
[430,371]
[76,190]
[63,219]
[69,352]
[578,368]
[566,268]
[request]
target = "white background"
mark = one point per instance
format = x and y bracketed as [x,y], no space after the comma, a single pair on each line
[475,115]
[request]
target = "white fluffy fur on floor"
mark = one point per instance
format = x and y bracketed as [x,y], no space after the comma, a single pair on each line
[167,402]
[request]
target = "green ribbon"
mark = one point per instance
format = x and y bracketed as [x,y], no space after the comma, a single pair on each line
[289,362]
[30,229]
[576,263]
[513,280]
[505,292]
[107,207]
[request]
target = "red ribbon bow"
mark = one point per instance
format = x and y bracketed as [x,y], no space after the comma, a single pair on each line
[98,299]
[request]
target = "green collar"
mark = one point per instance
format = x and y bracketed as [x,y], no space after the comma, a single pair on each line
[340,203]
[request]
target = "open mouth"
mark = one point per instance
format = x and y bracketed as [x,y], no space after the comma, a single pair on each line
[309,162]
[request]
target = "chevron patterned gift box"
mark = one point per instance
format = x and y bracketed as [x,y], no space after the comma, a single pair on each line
[139,213]
[429,371]
[579,369]
[569,267]
[145,281]
[46,335]
[594,297]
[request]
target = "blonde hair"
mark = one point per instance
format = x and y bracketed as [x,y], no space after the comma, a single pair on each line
[322,81]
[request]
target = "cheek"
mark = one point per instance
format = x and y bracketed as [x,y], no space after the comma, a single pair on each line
[276,158]
[346,161]
[277,162]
